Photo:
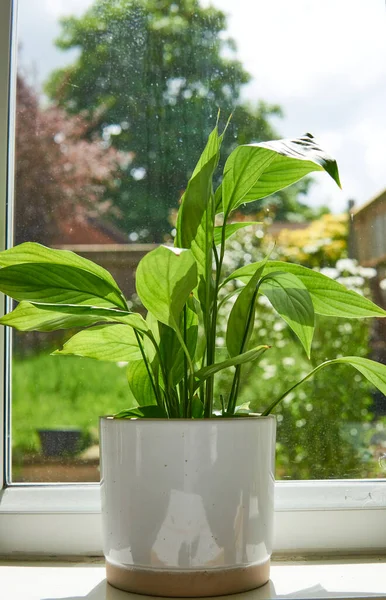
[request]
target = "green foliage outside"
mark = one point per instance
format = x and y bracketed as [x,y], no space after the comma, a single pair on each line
[152,75]
[145,68]
[326,428]
[55,391]
[172,354]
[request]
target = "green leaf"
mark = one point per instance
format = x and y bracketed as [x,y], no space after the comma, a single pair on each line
[291,299]
[211,150]
[58,284]
[201,336]
[149,347]
[165,278]
[29,316]
[33,253]
[104,342]
[248,356]
[218,199]
[195,203]
[242,316]
[330,298]
[244,408]
[172,354]
[140,384]
[145,412]
[195,200]
[230,229]
[197,408]
[374,372]
[258,170]
[195,221]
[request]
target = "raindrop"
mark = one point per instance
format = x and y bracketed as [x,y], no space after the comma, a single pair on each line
[382,462]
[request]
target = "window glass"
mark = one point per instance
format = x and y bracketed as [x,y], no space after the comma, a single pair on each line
[115,99]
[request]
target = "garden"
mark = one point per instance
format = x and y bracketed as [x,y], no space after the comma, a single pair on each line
[327,429]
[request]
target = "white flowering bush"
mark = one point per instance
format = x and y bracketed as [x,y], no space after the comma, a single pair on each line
[325,428]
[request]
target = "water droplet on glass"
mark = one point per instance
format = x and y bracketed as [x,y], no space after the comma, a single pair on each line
[382,462]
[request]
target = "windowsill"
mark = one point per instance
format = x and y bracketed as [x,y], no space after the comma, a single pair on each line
[331,578]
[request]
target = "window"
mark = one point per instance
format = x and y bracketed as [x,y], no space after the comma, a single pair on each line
[64,519]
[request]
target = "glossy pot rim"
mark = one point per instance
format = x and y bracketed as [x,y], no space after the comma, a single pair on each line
[253,418]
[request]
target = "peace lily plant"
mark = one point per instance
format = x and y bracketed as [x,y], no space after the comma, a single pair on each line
[171,353]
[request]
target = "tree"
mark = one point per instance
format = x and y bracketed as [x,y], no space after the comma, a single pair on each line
[161,69]
[58,170]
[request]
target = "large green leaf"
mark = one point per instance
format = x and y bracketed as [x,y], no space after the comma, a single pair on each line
[195,222]
[329,297]
[33,253]
[165,278]
[140,384]
[29,316]
[230,229]
[245,357]
[195,200]
[58,284]
[194,205]
[242,169]
[373,371]
[242,316]
[291,299]
[258,170]
[104,342]
[212,148]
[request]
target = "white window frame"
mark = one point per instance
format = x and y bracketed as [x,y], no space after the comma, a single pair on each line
[62,519]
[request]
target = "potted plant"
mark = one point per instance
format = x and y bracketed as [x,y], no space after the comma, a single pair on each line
[187,474]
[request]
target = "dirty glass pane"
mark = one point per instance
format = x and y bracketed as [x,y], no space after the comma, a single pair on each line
[115,100]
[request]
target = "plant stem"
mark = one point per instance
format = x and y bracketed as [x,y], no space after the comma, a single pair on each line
[185,399]
[168,393]
[210,303]
[168,399]
[236,378]
[153,385]
[189,360]
[222,404]
[212,329]
[270,408]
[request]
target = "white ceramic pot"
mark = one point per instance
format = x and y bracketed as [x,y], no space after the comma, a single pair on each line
[187,505]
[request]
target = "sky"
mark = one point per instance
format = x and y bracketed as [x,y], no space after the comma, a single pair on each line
[323,61]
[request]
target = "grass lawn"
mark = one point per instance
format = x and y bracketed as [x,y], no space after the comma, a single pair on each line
[60,391]
[55,391]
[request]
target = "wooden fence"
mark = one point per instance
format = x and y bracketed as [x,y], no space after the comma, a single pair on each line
[120,260]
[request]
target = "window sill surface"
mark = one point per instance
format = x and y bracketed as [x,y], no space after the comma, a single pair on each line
[338,578]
